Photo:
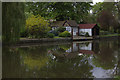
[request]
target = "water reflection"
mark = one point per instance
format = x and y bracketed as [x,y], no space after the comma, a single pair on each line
[97,59]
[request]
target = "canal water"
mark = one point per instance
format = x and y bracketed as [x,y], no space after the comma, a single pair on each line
[79,59]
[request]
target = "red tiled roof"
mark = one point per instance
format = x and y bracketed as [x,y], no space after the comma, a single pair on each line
[86,26]
[86,52]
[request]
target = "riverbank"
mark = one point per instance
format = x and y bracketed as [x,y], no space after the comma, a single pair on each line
[49,43]
[41,40]
[68,39]
[113,36]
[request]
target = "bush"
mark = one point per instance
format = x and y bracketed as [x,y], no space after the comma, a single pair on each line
[55,32]
[24,33]
[37,26]
[87,34]
[60,29]
[64,34]
[50,35]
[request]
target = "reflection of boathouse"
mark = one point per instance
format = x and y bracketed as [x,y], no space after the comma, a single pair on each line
[76,49]
[83,48]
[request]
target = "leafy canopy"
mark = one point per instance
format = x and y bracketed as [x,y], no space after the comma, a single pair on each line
[60,10]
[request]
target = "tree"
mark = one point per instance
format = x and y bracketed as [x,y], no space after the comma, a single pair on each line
[96,9]
[37,26]
[13,19]
[60,10]
[106,15]
[118,15]
[105,19]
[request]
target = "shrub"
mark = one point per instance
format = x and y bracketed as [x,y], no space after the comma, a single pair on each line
[55,32]
[37,26]
[87,34]
[64,34]
[24,33]
[60,29]
[50,35]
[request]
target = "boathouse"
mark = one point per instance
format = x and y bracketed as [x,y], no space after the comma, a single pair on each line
[70,25]
[91,29]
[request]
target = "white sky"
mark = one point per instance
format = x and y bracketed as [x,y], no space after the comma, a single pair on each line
[96,1]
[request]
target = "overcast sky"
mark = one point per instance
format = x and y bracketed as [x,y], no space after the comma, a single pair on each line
[96,1]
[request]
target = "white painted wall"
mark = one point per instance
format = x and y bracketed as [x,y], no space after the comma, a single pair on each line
[75,30]
[85,30]
[85,47]
[69,29]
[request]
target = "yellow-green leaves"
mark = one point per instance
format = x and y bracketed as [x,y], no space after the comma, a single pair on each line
[36,20]
[37,26]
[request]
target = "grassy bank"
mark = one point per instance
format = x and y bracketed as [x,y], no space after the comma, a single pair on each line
[55,37]
[58,37]
[109,35]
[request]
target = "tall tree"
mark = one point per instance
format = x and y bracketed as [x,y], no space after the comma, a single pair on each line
[106,15]
[61,10]
[118,15]
[12,20]
[106,19]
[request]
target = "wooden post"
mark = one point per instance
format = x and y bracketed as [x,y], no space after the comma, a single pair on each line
[72,32]
[78,30]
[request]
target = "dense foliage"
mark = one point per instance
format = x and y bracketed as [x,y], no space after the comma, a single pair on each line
[13,19]
[65,34]
[107,15]
[60,10]
[60,29]
[50,35]
[37,26]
